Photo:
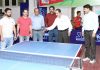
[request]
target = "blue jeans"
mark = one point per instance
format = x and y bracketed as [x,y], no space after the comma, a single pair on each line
[23,38]
[8,42]
[37,35]
[53,35]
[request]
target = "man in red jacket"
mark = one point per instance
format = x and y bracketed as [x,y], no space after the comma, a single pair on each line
[49,20]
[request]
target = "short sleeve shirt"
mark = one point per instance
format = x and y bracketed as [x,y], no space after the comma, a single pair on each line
[24,26]
[7,26]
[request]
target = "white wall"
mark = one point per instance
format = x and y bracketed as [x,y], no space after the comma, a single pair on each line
[32,5]
[97,9]
[15,11]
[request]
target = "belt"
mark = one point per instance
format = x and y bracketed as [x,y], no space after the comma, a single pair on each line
[63,30]
[37,30]
[88,30]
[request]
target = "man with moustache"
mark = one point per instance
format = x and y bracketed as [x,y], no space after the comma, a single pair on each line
[7,25]
[49,20]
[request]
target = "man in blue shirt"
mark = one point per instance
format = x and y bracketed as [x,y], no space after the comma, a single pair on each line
[37,25]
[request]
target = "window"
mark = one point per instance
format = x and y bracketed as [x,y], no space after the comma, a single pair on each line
[20,1]
[1,2]
[6,2]
[13,2]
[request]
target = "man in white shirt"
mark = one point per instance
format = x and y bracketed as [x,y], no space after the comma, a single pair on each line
[64,27]
[7,25]
[89,29]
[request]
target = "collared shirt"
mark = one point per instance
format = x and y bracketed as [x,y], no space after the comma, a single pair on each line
[24,26]
[37,22]
[90,22]
[49,19]
[7,26]
[62,23]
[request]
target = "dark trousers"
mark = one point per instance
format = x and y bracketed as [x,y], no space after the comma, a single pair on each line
[63,36]
[90,44]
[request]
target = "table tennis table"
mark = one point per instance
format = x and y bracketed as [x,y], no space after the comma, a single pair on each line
[39,56]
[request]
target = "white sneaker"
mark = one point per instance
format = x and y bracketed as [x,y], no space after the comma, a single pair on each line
[93,61]
[86,59]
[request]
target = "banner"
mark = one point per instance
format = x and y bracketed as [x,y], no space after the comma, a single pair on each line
[47,2]
[76,3]
[76,37]
[22,7]
[43,11]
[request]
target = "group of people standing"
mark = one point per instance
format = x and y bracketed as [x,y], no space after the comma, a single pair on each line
[55,23]
[34,26]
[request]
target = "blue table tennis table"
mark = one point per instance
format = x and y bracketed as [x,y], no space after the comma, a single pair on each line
[39,56]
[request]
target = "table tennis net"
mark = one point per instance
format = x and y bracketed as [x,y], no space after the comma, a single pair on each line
[59,61]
